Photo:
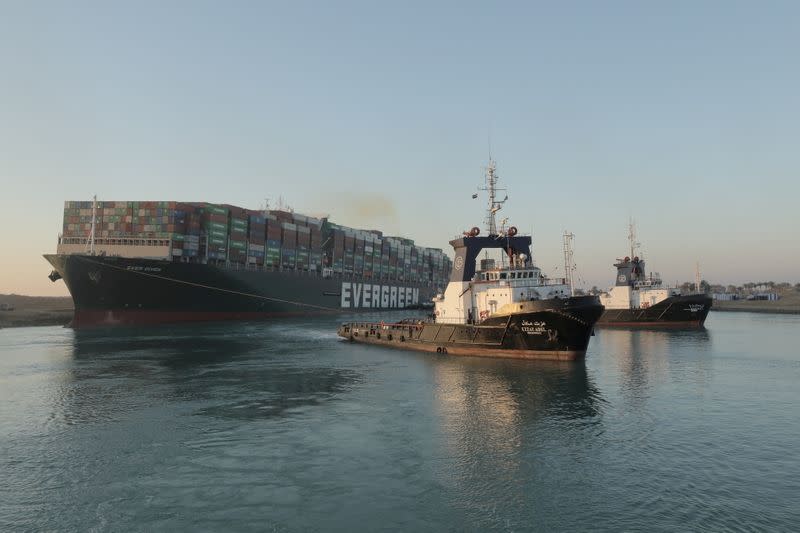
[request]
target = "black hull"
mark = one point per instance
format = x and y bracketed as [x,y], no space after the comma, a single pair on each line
[112,291]
[548,329]
[676,311]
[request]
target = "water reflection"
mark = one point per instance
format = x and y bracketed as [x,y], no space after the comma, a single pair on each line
[243,371]
[648,357]
[495,416]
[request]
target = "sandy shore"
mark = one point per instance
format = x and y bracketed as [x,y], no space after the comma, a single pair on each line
[35,311]
[783,306]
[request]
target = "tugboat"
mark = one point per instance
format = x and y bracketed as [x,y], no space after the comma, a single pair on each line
[639,299]
[508,310]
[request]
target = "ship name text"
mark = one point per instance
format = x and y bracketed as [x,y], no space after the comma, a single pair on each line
[144,269]
[534,328]
[356,295]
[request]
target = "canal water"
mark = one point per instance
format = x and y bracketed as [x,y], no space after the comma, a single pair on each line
[283,427]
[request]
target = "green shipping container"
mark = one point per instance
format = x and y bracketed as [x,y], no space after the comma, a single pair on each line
[217,210]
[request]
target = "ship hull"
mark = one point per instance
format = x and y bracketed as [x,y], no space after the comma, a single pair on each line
[685,311]
[115,291]
[556,330]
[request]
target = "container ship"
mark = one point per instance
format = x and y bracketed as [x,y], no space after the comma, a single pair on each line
[506,308]
[639,299]
[129,263]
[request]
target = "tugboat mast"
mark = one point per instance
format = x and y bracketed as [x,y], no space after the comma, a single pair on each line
[569,264]
[632,238]
[494,204]
[697,278]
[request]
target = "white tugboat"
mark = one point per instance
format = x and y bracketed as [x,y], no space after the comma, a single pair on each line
[508,309]
[641,299]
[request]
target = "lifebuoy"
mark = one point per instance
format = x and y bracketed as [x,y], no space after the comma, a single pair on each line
[389,337]
[439,349]
[444,350]
[512,231]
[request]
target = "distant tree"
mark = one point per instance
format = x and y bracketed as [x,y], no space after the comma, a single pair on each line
[732,289]
[704,286]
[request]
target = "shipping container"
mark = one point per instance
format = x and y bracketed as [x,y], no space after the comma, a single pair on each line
[288,258]
[315,260]
[288,236]
[282,216]
[302,259]
[272,256]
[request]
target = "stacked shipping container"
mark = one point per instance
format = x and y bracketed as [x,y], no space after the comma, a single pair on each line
[226,234]
[256,238]
[214,224]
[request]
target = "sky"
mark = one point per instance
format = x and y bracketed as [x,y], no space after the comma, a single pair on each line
[683,115]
